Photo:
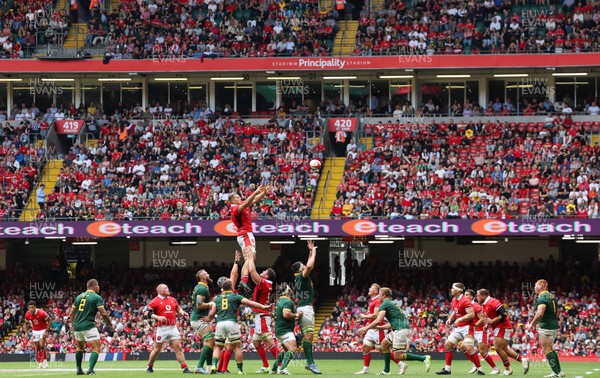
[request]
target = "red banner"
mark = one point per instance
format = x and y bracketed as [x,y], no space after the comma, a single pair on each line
[401,62]
[71,126]
[344,124]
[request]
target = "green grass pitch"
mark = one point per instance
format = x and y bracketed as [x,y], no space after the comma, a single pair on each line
[169,368]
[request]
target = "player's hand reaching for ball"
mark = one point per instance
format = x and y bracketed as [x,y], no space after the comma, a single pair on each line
[311,245]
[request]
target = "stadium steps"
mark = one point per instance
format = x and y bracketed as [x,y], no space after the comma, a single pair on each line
[49,177]
[330,297]
[76,36]
[114,4]
[345,39]
[325,198]
[367,142]
[91,143]
[379,4]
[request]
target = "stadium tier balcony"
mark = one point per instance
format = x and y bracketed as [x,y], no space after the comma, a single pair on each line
[185,169]
[472,170]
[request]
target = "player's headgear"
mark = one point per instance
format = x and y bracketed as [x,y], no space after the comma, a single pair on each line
[458,286]
[297,266]
[221,281]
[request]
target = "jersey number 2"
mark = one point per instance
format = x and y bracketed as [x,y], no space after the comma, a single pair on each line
[81,305]
[224,304]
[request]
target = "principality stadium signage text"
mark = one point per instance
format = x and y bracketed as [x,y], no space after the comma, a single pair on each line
[354,227]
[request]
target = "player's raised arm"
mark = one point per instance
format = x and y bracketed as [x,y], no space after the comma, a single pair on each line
[252,270]
[250,200]
[234,274]
[262,194]
[310,263]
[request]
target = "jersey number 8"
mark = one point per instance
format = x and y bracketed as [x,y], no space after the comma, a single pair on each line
[224,304]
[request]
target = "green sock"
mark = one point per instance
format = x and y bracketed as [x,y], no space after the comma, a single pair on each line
[278,361]
[205,355]
[414,357]
[215,362]
[78,359]
[240,366]
[286,359]
[552,358]
[386,359]
[308,352]
[93,360]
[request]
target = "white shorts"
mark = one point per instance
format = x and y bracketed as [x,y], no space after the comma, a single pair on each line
[398,339]
[374,337]
[88,335]
[287,338]
[551,333]
[503,333]
[227,330]
[308,316]
[198,325]
[262,327]
[37,335]
[166,333]
[460,333]
[246,240]
[481,337]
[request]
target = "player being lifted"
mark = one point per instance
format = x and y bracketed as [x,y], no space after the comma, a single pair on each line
[262,318]
[305,295]
[546,315]
[481,333]
[226,307]
[83,320]
[497,319]
[199,320]
[40,322]
[164,309]
[373,337]
[285,323]
[462,315]
[397,339]
[240,216]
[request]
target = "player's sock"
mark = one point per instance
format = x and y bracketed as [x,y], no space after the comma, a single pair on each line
[44,355]
[489,360]
[38,356]
[287,357]
[367,360]
[78,359]
[217,362]
[274,350]
[263,355]
[240,366]
[475,358]
[308,351]
[245,279]
[93,360]
[506,364]
[413,357]
[205,356]
[226,359]
[386,359]
[393,358]
[519,358]
[552,358]
[448,359]
[184,366]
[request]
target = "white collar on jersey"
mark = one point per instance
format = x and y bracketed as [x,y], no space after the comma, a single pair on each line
[487,299]
[161,297]
[460,297]
[375,297]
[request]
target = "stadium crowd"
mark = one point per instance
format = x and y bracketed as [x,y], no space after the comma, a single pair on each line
[472,170]
[426,27]
[200,30]
[426,307]
[185,169]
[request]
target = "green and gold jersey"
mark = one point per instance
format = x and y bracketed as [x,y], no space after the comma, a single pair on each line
[199,296]
[394,315]
[550,318]
[283,325]
[86,307]
[227,304]
[304,290]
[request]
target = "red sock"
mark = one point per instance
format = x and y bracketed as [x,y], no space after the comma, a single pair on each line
[506,364]
[448,358]
[263,355]
[38,356]
[184,365]
[475,358]
[45,356]
[489,360]
[274,351]
[220,364]
[367,359]
[226,359]
[245,279]
[519,358]
[396,361]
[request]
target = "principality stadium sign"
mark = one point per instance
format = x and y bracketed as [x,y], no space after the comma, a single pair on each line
[354,227]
